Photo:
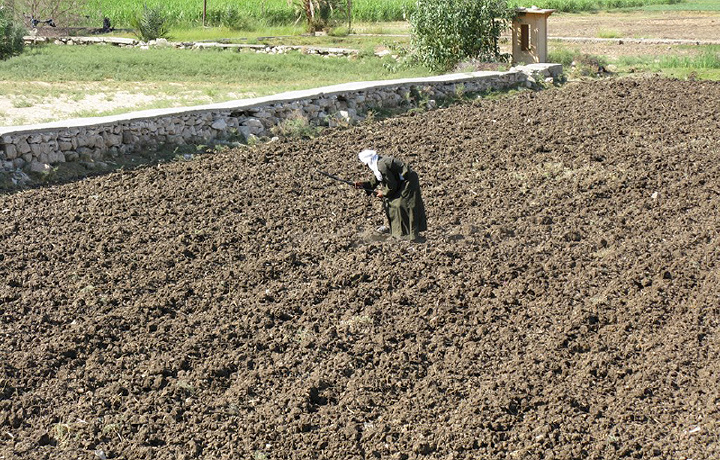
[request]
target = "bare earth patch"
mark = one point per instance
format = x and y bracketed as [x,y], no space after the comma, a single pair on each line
[679,25]
[24,103]
[20,108]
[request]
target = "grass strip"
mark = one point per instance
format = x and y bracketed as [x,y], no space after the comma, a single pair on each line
[277,72]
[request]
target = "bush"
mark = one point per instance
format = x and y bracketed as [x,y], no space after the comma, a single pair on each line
[445,32]
[150,24]
[11,35]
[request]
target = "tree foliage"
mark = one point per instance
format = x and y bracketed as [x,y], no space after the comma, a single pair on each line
[445,32]
[11,34]
[320,14]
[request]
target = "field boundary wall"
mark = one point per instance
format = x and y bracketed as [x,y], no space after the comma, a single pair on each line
[36,148]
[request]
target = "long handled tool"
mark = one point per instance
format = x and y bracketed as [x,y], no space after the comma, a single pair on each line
[333,177]
[336,178]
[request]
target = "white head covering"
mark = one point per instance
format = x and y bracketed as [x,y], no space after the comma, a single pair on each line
[370,158]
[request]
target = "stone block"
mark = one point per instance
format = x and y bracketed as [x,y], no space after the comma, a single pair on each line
[112,140]
[244,131]
[220,125]
[11,152]
[56,157]
[312,108]
[85,153]
[83,141]
[65,146]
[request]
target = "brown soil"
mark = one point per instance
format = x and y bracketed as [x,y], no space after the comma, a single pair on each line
[678,25]
[565,304]
[626,28]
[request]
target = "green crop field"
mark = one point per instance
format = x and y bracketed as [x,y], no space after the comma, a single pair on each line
[690,5]
[238,13]
[220,12]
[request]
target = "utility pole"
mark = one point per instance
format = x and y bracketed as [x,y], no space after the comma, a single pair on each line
[204,11]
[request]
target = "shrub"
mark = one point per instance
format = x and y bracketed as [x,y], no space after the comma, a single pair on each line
[150,24]
[445,32]
[11,35]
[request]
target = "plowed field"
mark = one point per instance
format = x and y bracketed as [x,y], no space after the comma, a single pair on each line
[240,306]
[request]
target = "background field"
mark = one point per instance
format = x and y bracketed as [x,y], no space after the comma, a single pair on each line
[276,12]
[53,83]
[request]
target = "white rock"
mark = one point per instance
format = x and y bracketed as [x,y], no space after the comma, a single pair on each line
[38,167]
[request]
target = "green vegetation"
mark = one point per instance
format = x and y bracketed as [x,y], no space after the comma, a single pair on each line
[160,78]
[444,33]
[240,14]
[688,5]
[150,23]
[232,13]
[11,35]
[609,33]
[576,6]
[705,65]
[102,63]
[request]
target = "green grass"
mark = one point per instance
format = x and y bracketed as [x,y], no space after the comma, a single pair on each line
[103,63]
[289,36]
[609,33]
[689,5]
[55,76]
[707,60]
[703,65]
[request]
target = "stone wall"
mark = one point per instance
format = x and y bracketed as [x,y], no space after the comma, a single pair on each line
[163,43]
[37,147]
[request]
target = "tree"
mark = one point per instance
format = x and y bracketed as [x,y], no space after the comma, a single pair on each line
[445,32]
[63,13]
[11,34]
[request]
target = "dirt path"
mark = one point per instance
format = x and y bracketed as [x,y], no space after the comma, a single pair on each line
[565,305]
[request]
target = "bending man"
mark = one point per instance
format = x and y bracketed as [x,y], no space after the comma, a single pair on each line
[400,192]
